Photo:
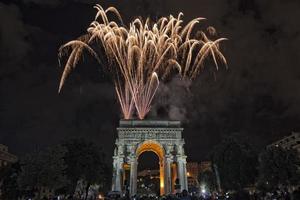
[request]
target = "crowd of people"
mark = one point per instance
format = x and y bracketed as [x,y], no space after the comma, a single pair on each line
[185,195]
[242,195]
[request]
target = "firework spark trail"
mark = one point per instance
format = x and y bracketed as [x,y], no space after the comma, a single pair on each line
[142,54]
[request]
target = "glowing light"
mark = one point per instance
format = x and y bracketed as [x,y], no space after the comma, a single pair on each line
[203,189]
[162,184]
[188,174]
[141,55]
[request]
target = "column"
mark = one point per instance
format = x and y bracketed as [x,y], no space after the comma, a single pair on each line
[185,175]
[181,162]
[133,175]
[114,174]
[168,178]
[117,168]
[180,171]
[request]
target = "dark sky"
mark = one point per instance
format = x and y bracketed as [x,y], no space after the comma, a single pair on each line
[258,97]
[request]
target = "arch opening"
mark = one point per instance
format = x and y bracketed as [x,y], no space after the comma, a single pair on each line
[158,150]
[148,180]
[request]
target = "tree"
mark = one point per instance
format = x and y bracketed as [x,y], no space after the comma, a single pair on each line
[43,169]
[236,162]
[278,167]
[85,162]
[9,184]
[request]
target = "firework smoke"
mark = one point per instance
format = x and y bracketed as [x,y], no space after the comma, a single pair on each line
[141,55]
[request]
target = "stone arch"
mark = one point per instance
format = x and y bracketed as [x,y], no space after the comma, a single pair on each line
[162,137]
[151,145]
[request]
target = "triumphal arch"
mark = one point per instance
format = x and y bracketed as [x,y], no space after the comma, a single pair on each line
[164,138]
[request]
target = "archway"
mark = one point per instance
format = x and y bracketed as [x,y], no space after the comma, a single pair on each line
[148,174]
[155,147]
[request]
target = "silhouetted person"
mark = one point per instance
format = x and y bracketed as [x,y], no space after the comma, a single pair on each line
[296,194]
[243,195]
[185,195]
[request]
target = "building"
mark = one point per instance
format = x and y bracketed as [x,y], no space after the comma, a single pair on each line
[5,159]
[149,172]
[5,156]
[194,169]
[289,142]
[192,174]
[205,166]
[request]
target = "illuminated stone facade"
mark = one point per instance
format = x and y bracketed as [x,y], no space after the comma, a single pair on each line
[164,138]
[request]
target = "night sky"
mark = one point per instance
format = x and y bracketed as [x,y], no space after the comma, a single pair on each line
[256,98]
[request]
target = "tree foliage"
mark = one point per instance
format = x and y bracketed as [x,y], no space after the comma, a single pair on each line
[9,182]
[85,161]
[277,167]
[236,162]
[58,169]
[43,169]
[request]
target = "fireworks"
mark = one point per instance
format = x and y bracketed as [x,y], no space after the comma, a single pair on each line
[141,55]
